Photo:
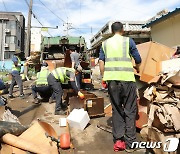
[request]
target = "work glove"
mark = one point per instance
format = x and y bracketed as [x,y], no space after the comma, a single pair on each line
[26,64]
[104,84]
[81,95]
[137,68]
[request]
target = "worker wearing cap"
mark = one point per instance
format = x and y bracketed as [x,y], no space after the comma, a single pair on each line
[117,70]
[76,64]
[42,87]
[55,78]
[16,78]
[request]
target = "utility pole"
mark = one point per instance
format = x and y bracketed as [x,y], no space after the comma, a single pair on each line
[2,40]
[68,26]
[28,39]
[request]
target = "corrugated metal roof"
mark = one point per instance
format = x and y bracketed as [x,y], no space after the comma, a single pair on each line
[162,18]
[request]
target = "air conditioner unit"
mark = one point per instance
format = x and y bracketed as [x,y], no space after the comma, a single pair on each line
[6,45]
[7,30]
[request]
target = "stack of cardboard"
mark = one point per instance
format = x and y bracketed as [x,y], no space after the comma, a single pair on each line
[164,107]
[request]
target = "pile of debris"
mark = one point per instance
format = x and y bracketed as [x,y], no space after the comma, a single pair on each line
[34,58]
[164,108]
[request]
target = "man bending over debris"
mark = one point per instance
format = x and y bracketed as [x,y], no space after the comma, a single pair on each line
[42,87]
[117,69]
[55,78]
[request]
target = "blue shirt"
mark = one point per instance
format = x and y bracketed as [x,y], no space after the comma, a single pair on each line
[132,51]
[15,60]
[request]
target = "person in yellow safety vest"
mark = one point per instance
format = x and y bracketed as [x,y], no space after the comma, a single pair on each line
[16,78]
[117,70]
[41,87]
[55,78]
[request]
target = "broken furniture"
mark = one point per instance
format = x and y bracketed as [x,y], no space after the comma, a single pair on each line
[91,103]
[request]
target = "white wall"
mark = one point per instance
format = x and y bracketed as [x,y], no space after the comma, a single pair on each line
[167,32]
[36,39]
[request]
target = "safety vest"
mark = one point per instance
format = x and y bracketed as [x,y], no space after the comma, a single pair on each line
[42,77]
[60,74]
[18,67]
[118,64]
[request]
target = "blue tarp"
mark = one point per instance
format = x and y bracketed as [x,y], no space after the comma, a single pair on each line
[6,66]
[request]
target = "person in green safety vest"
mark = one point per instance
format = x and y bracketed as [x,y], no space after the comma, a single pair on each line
[55,78]
[117,70]
[16,78]
[41,87]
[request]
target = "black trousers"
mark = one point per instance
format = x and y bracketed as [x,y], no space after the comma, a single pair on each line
[57,91]
[16,79]
[78,80]
[123,99]
[44,91]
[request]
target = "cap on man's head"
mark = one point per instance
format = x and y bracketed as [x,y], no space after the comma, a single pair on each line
[44,64]
[18,51]
[72,48]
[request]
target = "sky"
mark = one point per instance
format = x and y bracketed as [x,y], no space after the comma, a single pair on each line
[86,17]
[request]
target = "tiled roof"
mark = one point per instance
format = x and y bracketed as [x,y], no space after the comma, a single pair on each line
[135,27]
[162,18]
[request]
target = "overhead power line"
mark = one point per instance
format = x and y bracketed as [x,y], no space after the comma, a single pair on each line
[57,16]
[4,5]
[35,16]
[26,2]
[63,7]
[51,11]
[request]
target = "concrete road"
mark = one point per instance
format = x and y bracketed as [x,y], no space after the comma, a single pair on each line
[92,140]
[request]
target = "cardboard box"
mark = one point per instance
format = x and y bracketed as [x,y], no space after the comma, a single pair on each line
[152,53]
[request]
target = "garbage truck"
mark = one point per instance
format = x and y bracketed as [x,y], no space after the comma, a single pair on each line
[55,51]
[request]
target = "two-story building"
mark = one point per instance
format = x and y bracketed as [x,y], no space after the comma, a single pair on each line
[132,29]
[12,34]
